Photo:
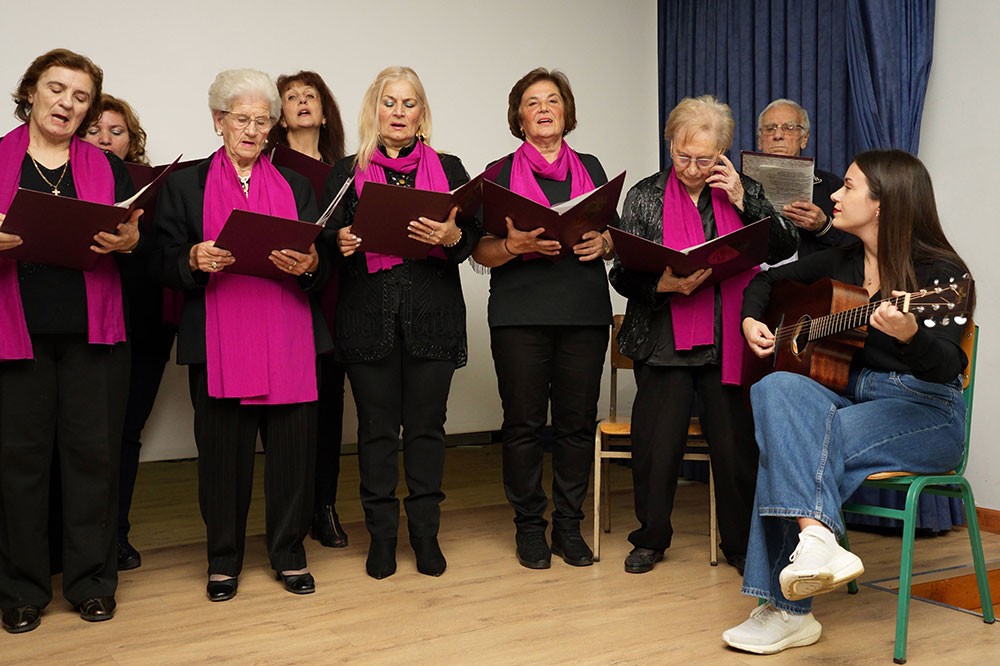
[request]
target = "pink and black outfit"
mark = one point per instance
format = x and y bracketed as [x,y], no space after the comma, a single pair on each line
[688,353]
[63,383]
[549,326]
[251,345]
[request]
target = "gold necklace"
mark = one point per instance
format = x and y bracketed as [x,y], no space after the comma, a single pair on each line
[245,184]
[55,188]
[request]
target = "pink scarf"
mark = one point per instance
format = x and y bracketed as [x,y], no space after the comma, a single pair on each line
[259,342]
[528,163]
[694,316]
[430,176]
[94,181]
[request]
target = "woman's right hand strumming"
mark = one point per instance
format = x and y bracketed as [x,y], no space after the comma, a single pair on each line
[759,337]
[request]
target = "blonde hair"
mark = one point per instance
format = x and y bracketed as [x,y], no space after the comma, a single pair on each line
[368,116]
[701,114]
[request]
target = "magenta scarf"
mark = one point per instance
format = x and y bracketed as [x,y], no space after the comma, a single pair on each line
[694,316]
[430,176]
[259,341]
[94,181]
[528,163]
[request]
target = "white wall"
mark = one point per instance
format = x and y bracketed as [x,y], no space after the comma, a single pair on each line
[958,143]
[468,54]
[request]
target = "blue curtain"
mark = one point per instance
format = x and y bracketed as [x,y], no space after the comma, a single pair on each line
[749,52]
[859,68]
[889,47]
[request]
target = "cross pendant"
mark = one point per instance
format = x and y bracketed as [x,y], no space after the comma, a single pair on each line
[55,191]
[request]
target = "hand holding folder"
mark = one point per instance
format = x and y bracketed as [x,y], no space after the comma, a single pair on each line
[726,255]
[565,223]
[382,219]
[72,233]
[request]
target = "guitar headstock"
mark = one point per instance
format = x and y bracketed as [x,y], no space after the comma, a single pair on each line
[942,301]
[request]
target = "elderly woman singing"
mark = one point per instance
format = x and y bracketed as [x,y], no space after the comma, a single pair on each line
[250,343]
[63,364]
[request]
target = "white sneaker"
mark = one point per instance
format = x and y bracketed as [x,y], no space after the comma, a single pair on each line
[771,630]
[818,565]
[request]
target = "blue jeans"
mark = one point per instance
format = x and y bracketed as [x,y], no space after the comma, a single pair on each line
[817,447]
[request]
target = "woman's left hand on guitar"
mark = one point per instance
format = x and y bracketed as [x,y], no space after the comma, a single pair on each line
[894,322]
[759,337]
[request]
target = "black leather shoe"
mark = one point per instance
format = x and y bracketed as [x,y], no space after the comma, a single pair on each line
[21,619]
[430,559]
[641,560]
[97,609]
[297,583]
[533,550]
[569,545]
[381,561]
[738,562]
[222,590]
[128,557]
[326,528]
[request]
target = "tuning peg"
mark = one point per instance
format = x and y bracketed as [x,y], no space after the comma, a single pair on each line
[961,320]
[945,320]
[937,282]
[951,306]
[919,309]
[935,307]
[930,323]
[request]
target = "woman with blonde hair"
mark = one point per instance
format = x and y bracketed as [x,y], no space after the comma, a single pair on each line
[400,325]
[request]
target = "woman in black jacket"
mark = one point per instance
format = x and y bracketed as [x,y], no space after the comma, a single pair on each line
[400,324]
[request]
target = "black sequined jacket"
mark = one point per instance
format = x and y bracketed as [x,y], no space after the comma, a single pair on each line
[645,316]
[421,300]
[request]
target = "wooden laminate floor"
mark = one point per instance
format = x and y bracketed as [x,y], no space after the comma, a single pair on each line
[485,609]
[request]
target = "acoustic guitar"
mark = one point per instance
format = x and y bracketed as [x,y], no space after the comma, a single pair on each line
[819,327]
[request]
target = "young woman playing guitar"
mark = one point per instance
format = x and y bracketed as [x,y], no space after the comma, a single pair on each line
[901,408]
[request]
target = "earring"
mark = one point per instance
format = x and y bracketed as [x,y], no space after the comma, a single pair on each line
[421,136]
[218,131]
[324,122]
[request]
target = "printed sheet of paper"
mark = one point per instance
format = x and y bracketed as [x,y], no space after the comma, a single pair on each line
[785,179]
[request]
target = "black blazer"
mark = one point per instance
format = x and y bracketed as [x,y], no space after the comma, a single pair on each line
[179,226]
[421,298]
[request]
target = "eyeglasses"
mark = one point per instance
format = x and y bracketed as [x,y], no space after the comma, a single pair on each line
[787,128]
[240,122]
[683,161]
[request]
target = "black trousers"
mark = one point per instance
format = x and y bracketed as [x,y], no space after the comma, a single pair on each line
[401,390]
[149,358]
[660,417]
[71,395]
[331,427]
[225,432]
[537,366]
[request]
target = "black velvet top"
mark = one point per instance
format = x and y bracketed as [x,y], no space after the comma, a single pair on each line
[541,292]
[647,333]
[420,300]
[933,355]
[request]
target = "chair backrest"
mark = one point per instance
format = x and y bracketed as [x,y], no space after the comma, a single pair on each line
[618,362]
[970,344]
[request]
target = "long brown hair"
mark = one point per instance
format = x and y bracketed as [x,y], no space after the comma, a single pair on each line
[909,230]
[331,133]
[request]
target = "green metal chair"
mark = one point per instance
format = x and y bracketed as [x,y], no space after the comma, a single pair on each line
[949,484]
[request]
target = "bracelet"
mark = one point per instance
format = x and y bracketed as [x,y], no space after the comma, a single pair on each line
[513,254]
[457,240]
[826,228]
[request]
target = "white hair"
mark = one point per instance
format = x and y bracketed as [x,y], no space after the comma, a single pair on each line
[233,84]
[803,114]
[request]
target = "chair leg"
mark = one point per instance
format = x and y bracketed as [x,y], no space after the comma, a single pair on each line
[713,524]
[852,587]
[976,542]
[606,473]
[598,448]
[906,572]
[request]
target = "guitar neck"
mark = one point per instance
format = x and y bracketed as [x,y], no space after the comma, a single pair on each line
[846,320]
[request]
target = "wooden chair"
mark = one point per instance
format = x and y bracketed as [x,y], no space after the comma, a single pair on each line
[611,441]
[949,484]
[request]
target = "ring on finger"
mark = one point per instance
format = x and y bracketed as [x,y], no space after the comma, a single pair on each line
[214,265]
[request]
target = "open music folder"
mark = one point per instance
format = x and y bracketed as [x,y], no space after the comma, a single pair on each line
[58,231]
[566,222]
[251,237]
[384,213]
[726,255]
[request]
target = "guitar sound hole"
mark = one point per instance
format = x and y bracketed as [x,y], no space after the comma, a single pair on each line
[800,336]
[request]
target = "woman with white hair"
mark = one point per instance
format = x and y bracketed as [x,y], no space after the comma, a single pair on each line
[685,341]
[250,343]
[400,324]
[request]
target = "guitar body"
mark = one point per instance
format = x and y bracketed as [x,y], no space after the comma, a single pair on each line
[795,306]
